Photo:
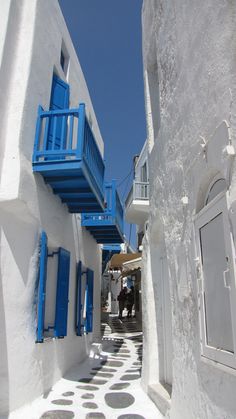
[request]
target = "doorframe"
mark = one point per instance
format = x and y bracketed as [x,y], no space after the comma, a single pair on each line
[218,205]
[168,360]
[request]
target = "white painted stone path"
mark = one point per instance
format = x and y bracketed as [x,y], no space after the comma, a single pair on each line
[86,392]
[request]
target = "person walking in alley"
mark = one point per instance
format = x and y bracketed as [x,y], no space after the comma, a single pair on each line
[130,301]
[122,299]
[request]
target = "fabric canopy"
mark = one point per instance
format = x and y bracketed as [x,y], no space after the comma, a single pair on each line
[117,260]
[132,265]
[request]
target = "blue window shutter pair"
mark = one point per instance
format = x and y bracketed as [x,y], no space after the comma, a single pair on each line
[42,285]
[79,305]
[88,325]
[63,274]
[89,301]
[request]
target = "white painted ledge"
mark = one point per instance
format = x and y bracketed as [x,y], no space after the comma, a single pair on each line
[160,395]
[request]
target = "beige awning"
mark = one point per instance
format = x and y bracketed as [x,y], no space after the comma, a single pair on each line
[131,267]
[117,260]
[132,264]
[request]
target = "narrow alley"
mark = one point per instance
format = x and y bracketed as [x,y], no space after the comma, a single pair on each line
[118,198]
[106,385]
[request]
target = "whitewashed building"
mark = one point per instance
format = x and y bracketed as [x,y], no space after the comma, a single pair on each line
[137,212]
[188,283]
[137,201]
[41,238]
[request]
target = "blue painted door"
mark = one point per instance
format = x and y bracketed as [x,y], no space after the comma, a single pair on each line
[79,306]
[58,124]
[42,286]
[63,274]
[89,301]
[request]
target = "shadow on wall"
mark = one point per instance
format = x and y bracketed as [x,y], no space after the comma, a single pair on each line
[4,376]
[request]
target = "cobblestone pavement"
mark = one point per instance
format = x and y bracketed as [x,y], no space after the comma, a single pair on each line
[105,386]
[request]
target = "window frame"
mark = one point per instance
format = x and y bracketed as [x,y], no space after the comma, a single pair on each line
[84,313]
[216,207]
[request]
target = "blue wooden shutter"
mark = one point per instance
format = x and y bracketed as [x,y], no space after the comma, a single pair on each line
[63,274]
[42,286]
[58,125]
[89,302]
[78,314]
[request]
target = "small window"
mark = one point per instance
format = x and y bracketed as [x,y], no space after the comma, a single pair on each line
[144,176]
[64,59]
[216,273]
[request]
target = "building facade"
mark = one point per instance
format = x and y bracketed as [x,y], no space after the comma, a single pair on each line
[137,201]
[137,212]
[42,241]
[188,279]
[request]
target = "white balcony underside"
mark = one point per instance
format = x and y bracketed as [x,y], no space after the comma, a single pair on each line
[137,211]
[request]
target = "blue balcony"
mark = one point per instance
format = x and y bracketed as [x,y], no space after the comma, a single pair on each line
[67,156]
[107,227]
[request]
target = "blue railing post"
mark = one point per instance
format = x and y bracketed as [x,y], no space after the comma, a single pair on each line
[37,132]
[108,197]
[81,125]
[113,198]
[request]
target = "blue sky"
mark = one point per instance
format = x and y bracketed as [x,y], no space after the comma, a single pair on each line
[107,37]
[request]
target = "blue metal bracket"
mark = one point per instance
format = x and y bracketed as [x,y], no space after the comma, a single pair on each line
[48,328]
[50,255]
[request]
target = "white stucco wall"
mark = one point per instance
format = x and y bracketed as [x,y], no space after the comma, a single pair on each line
[28,206]
[189,50]
[4,23]
[41,32]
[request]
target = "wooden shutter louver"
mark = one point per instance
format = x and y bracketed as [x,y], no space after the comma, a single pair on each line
[63,274]
[89,301]
[78,305]
[42,275]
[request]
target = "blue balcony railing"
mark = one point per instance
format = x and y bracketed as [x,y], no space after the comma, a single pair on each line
[107,227]
[67,155]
